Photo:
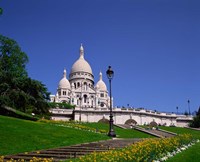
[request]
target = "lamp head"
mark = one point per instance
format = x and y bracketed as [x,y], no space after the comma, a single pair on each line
[110,73]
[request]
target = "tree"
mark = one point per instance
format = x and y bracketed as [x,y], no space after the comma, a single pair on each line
[1,11]
[196,120]
[12,68]
[17,90]
[12,59]
[38,96]
[198,112]
[186,113]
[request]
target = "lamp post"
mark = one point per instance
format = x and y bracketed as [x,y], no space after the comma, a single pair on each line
[189,106]
[81,98]
[110,74]
[177,109]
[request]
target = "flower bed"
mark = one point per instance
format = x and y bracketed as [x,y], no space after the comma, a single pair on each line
[74,124]
[147,150]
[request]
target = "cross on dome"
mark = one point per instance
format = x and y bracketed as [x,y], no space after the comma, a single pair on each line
[81,51]
[64,73]
[100,75]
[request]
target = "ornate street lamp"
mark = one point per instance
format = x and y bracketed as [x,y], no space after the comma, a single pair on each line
[110,74]
[80,98]
[189,106]
[177,109]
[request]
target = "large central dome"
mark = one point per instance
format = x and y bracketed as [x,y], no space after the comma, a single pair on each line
[81,65]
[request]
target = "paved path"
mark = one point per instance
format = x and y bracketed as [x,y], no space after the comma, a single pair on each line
[198,129]
[63,153]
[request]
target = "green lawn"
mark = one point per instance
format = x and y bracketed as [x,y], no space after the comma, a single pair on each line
[18,135]
[121,133]
[179,130]
[190,155]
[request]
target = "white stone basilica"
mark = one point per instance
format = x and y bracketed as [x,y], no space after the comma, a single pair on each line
[80,90]
[92,101]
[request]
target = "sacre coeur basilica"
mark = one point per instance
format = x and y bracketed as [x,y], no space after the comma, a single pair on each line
[92,101]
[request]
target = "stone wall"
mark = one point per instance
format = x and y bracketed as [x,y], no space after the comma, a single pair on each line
[121,116]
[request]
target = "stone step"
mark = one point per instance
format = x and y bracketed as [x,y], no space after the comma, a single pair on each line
[163,134]
[123,126]
[55,156]
[85,148]
[156,132]
[65,153]
[107,146]
[71,150]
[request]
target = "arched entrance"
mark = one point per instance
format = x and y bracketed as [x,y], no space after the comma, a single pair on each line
[130,122]
[153,124]
[103,120]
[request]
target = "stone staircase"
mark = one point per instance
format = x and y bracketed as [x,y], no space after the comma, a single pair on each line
[68,152]
[155,132]
[123,126]
[162,133]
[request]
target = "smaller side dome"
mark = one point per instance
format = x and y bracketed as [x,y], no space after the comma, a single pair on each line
[64,83]
[100,84]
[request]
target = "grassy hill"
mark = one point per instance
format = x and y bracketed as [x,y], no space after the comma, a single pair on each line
[18,135]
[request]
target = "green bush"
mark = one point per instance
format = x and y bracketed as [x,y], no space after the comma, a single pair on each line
[61,105]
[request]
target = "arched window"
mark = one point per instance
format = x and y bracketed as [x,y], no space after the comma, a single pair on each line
[102,104]
[64,93]
[74,85]
[92,103]
[85,98]
[78,84]
[59,93]
[85,86]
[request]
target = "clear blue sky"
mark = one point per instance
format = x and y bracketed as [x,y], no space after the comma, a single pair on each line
[153,46]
